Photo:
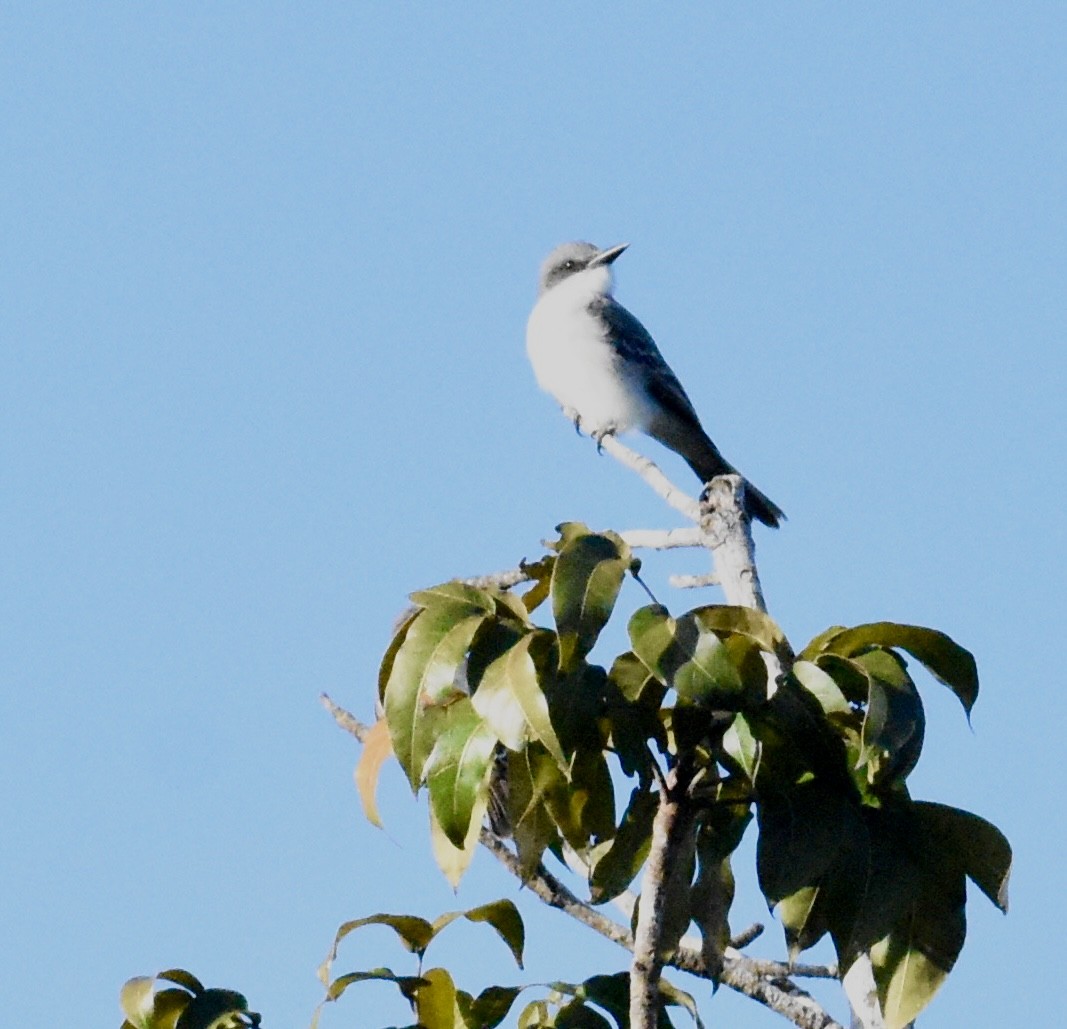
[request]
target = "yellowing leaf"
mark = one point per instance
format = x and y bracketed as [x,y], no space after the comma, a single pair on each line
[436,1003]
[136,999]
[454,861]
[376,748]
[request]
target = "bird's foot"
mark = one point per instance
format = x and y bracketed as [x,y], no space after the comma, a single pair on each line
[600,435]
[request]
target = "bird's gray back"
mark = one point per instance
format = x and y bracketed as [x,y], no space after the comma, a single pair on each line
[635,346]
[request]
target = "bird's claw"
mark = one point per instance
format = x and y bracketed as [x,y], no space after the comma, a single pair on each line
[600,436]
[574,417]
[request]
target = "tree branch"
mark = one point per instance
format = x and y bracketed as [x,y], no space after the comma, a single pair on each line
[862,993]
[672,832]
[663,539]
[765,982]
[651,473]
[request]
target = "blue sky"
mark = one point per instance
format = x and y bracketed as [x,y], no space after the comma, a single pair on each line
[266,271]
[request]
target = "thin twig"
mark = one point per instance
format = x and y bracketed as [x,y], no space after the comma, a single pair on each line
[746,936]
[344,719]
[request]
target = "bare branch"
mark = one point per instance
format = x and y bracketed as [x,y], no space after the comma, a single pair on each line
[672,832]
[344,719]
[862,993]
[747,936]
[554,893]
[501,580]
[693,582]
[663,539]
[728,535]
[651,473]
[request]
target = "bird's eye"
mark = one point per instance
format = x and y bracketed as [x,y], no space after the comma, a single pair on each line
[569,265]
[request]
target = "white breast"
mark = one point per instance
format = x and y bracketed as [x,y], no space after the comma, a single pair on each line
[574,361]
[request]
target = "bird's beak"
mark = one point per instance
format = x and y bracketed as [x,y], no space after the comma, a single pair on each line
[607,256]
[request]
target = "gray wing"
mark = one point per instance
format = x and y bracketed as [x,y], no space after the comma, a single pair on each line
[636,346]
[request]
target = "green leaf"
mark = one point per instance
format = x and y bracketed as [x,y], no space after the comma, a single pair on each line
[913,960]
[490,1007]
[510,694]
[457,771]
[802,834]
[633,725]
[679,998]
[576,706]
[457,595]
[797,740]
[407,984]
[742,746]
[436,1003]
[946,660]
[586,581]
[685,655]
[504,917]
[876,881]
[616,867]
[534,1016]
[415,934]
[632,678]
[652,630]
[576,1015]
[207,1010]
[823,687]
[183,978]
[818,645]
[583,807]
[511,610]
[610,992]
[399,635]
[850,679]
[708,677]
[531,825]
[425,672]
[981,848]
[894,724]
[711,897]
[744,621]
[832,865]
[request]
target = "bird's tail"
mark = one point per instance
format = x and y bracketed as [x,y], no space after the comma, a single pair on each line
[704,458]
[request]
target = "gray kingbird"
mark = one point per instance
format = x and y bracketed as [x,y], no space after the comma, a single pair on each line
[606,371]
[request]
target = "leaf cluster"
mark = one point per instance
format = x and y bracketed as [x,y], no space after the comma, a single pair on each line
[438,1003]
[480,701]
[147,1004]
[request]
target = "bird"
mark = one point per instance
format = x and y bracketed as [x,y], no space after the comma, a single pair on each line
[606,372]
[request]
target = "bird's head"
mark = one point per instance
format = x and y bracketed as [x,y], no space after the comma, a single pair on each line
[575,258]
